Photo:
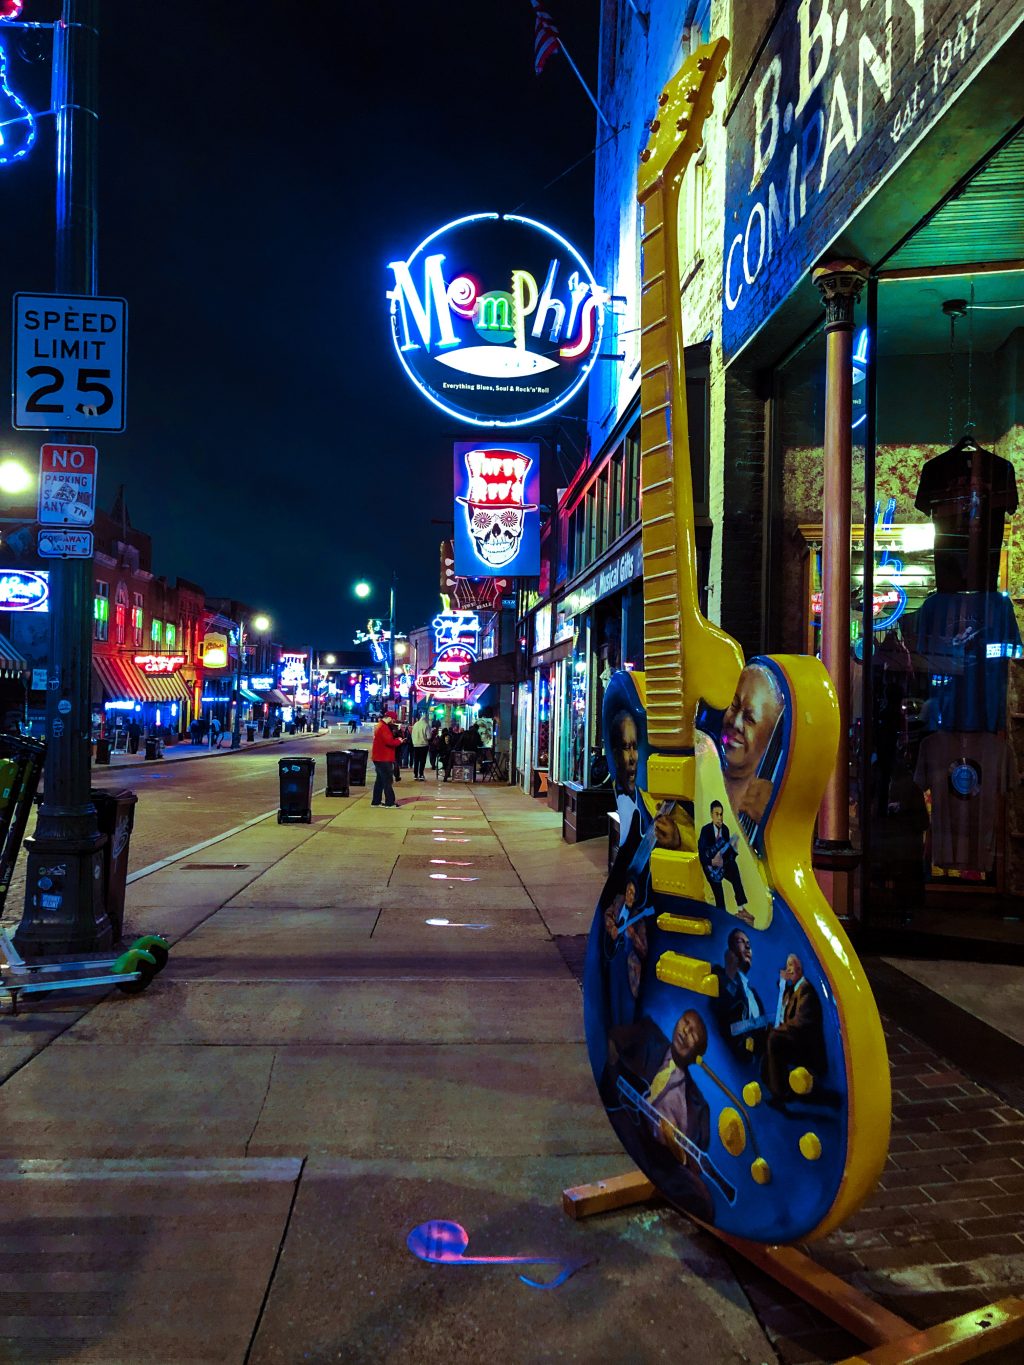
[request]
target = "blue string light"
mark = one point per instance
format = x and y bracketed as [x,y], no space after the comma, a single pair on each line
[13,148]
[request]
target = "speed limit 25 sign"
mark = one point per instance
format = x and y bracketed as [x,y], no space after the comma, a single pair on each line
[70,356]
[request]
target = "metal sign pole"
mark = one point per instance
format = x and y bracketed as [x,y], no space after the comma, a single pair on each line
[64,910]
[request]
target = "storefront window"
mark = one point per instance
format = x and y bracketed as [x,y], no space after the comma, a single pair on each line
[120,614]
[156,632]
[947,694]
[137,619]
[101,611]
[170,635]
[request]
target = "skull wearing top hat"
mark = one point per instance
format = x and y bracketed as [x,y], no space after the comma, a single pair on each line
[496,503]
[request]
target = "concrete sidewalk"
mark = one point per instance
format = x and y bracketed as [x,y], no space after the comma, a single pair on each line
[227,1167]
[371,1022]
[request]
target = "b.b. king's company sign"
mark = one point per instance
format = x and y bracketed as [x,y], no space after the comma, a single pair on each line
[497,319]
[840,95]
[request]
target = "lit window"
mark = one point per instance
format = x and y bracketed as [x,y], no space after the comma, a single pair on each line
[170,635]
[101,611]
[137,624]
[156,631]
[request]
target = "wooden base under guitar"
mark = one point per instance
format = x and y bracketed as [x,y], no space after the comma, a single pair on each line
[891,1339]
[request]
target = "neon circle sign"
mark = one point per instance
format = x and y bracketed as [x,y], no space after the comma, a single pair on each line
[496,319]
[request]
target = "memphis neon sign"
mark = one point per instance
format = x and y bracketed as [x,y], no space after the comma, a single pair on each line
[497,319]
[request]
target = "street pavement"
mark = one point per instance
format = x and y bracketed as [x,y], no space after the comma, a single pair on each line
[371,1022]
[226,1168]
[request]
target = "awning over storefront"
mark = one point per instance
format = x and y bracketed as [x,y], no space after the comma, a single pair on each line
[501,668]
[249,695]
[12,664]
[273,697]
[121,680]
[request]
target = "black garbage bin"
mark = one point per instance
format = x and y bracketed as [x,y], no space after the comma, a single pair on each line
[266,730]
[154,747]
[250,734]
[337,774]
[103,751]
[291,727]
[296,775]
[277,730]
[357,766]
[115,817]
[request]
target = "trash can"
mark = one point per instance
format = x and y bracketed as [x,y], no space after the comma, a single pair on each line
[250,734]
[266,730]
[277,730]
[357,766]
[21,766]
[296,805]
[291,727]
[115,817]
[337,774]
[154,747]
[103,751]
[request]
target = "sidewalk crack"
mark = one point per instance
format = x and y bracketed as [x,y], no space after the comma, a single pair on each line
[273,1269]
[263,1101]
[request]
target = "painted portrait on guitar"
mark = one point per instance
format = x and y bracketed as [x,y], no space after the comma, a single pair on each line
[698,1084]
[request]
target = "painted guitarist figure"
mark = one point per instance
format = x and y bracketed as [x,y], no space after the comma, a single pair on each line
[716,848]
[772,1126]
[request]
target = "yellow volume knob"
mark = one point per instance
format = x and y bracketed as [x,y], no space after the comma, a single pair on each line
[732,1132]
[810,1146]
[801,1081]
[752,1093]
[760,1171]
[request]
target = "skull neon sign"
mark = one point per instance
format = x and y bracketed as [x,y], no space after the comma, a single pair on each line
[499,533]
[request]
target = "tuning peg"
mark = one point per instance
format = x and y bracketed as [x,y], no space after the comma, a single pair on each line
[645,155]
[662,100]
[691,96]
[682,124]
[721,75]
[654,125]
[703,64]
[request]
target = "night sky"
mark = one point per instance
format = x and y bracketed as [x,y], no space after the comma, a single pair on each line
[260,164]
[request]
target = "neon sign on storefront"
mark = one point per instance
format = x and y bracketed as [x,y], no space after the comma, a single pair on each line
[497,319]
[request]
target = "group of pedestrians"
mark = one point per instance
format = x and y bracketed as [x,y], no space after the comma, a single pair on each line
[396,747]
[203,731]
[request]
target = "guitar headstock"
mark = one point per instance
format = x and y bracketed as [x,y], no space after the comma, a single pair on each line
[677,130]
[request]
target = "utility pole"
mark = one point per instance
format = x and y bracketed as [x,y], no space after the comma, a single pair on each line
[391,632]
[236,729]
[64,910]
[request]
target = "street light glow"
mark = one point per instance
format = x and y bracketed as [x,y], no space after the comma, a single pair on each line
[330,659]
[15,477]
[362,589]
[261,623]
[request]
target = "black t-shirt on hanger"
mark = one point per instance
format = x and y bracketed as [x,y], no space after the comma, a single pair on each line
[967,492]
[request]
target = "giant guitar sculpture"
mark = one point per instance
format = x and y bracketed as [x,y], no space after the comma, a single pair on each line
[731,1030]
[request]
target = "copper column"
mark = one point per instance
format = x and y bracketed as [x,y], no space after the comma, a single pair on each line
[839,283]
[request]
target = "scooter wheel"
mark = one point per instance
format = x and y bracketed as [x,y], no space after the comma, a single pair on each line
[135,961]
[161,955]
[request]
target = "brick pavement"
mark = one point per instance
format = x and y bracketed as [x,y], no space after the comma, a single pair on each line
[943,1233]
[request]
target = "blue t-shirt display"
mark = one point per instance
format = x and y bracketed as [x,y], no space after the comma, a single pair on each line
[966,640]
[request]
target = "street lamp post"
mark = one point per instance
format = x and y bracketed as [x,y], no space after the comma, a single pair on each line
[259,624]
[64,909]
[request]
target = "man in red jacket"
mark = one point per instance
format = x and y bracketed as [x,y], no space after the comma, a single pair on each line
[383,753]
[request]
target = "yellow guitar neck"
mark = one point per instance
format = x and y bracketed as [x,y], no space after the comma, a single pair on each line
[685,657]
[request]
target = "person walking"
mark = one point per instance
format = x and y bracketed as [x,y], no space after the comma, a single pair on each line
[446,751]
[434,746]
[134,735]
[420,744]
[385,745]
[214,733]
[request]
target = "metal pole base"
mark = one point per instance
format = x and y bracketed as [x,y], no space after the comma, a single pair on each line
[64,907]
